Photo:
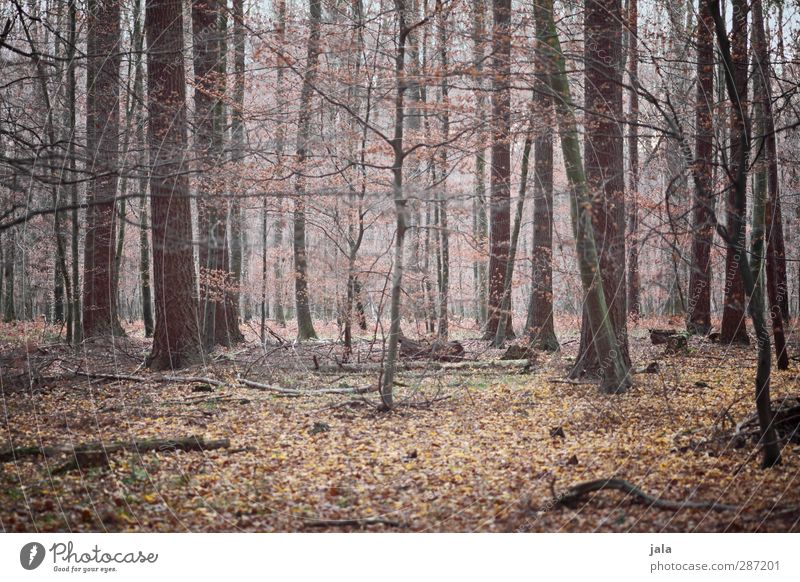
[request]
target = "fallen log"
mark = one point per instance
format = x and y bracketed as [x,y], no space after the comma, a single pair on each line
[90,450]
[576,493]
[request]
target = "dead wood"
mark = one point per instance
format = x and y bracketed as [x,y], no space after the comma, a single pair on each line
[322,523]
[577,492]
[90,454]
[437,350]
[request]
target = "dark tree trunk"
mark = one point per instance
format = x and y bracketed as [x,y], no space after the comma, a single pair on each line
[614,370]
[634,308]
[699,304]
[102,142]
[238,256]
[734,324]
[500,196]
[777,289]
[540,311]
[177,341]
[305,326]
[603,160]
[735,235]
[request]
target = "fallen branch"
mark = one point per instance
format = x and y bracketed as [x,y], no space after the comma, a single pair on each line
[294,392]
[428,365]
[576,493]
[352,522]
[89,450]
[130,378]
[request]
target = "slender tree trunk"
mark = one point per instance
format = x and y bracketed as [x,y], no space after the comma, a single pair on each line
[539,325]
[177,340]
[141,141]
[614,370]
[441,190]
[211,207]
[398,195]
[237,268]
[480,222]
[102,139]
[604,146]
[500,197]
[634,307]
[735,235]
[502,332]
[699,304]
[75,308]
[277,242]
[9,264]
[734,323]
[777,288]
[305,326]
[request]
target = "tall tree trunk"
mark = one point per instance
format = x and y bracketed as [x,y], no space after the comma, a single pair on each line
[305,326]
[9,263]
[614,369]
[102,141]
[603,151]
[398,195]
[75,307]
[280,222]
[634,308]
[699,304]
[480,223]
[777,288]
[177,341]
[540,327]
[735,235]
[502,331]
[441,190]
[237,268]
[734,324]
[141,141]
[211,207]
[500,196]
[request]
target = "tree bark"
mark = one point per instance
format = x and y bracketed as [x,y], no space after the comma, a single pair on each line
[238,255]
[603,151]
[735,235]
[177,341]
[615,369]
[539,325]
[634,283]
[699,304]
[734,323]
[777,288]
[398,195]
[441,190]
[500,196]
[305,326]
[480,223]
[102,141]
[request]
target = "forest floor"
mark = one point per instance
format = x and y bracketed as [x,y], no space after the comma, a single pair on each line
[466,449]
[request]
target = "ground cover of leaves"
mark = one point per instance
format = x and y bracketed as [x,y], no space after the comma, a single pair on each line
[466,450]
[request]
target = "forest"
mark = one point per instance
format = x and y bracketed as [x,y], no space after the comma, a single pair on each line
[399,265]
